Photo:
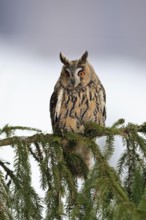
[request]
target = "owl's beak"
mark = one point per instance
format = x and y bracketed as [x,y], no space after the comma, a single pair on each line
[73,81]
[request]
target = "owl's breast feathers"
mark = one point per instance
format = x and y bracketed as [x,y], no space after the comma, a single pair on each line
[72,109]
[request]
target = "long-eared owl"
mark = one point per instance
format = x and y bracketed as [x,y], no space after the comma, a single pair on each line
[78,98]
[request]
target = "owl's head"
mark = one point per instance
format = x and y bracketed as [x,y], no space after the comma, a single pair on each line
[75,72]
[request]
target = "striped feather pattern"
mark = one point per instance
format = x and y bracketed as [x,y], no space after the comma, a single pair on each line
[78,98]
[76,107]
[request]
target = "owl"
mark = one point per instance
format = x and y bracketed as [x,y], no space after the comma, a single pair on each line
[78,98]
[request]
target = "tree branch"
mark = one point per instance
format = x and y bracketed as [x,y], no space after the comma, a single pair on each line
[92,130]
[24,139]
[9,173]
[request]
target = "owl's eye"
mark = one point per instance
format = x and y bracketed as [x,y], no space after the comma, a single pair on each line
[67,73]
[81,74]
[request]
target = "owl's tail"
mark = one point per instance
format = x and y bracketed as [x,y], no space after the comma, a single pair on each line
[79,159]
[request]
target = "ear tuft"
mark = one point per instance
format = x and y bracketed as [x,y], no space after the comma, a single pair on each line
[83,58]
[63,59]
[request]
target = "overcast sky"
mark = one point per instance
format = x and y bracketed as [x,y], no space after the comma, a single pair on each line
[102,27]
[33,32]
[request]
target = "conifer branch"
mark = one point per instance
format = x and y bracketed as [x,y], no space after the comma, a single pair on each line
[9,130]
[91,129]
[9,173]
[109,172]
[94,130]
[103,193]
[24,139]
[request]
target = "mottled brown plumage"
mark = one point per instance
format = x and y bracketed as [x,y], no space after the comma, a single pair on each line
[78,98]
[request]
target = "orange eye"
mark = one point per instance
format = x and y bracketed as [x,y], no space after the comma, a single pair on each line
[81,74]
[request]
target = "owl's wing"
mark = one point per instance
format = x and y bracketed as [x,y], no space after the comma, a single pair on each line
[103,102]
[53,102]
[55,106]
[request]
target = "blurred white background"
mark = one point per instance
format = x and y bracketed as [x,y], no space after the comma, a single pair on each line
[33,32]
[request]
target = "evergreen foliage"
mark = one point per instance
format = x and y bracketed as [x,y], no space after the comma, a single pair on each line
[107,193]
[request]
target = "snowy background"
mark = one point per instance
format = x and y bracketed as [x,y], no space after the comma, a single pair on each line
[32,33]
